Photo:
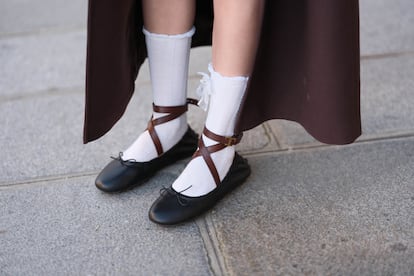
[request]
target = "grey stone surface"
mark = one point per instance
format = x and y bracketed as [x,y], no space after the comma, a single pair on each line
[45,134]
[386,102]
[386,26]
[50,61]
[291,134]
[57,59]
[325,211]
[38,63]
[387,95]
[200,57]
[68,227]
[333,211]
[23,16]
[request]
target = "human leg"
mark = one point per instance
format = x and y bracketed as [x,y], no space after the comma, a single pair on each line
[235,41]
[168,31]
[236,35]
[168,17]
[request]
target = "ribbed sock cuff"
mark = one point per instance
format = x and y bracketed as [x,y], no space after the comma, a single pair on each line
[188,34]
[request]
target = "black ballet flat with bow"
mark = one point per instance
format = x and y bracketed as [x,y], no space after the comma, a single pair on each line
[173,207]
[120,175]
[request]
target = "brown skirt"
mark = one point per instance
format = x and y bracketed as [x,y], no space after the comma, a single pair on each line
[306,69]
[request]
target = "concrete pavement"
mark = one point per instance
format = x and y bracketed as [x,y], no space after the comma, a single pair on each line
[307,209]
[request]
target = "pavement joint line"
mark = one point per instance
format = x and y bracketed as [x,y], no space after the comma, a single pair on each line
[273,140]
[389,135]
[82,28]
[305,147]
[210,242]
[370,138]
[269,146]
[386,55]
[62,90]
[45,31]
[315,146]
[274,135]
[42,180]
[42,93]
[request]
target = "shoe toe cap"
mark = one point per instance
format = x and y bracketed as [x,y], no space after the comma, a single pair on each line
[113,177]
[168,210]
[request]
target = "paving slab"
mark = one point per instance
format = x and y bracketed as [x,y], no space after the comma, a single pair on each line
[36,63]
[291,134]
[50,60]
[24,16]
[386,26]
[380,32]
[331,211]
[44,132]
[387,95]
[68,227]
[386,102]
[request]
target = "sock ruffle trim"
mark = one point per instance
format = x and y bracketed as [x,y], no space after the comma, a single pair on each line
[205,90]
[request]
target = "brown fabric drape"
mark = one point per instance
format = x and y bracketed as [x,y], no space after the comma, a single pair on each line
[306,69]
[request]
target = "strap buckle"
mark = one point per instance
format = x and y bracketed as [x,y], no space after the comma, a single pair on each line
[230,141]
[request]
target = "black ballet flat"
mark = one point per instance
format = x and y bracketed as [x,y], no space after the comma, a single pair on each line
[120,175]
[173,207]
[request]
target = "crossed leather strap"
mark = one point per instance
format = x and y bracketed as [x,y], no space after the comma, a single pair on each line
[174,112]
[205,152]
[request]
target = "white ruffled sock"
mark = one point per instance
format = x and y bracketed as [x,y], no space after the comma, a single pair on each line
[224,103]
[168,58]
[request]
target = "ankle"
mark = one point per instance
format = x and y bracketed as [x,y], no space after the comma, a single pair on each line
[172,131]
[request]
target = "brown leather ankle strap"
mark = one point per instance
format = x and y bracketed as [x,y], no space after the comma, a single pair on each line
[206,152]
[174,112]
[225,140]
